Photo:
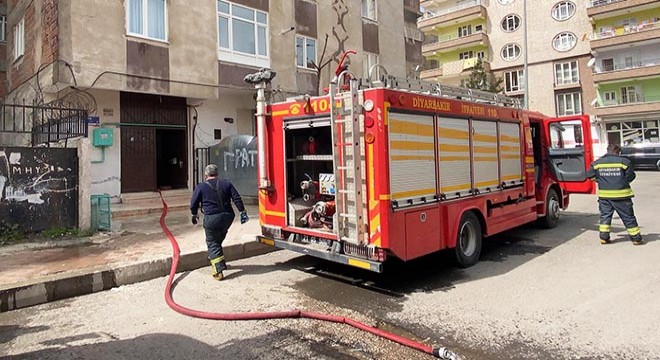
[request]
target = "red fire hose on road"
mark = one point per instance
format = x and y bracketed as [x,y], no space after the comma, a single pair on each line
[441,352]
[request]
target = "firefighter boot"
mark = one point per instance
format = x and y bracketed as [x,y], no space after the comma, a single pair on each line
[217,266]
[635,235]
[604,233]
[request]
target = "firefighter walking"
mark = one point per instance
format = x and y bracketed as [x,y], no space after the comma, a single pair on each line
[215,196]
[614,173]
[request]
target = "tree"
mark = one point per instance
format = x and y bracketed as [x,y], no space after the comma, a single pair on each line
[480,79]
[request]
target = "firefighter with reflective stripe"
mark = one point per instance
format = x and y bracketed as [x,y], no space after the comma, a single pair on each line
[614,173]
[215,196]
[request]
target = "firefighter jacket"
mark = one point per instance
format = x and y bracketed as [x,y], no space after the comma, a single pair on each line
[613,173]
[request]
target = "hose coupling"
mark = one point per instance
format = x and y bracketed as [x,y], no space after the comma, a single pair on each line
[444,353]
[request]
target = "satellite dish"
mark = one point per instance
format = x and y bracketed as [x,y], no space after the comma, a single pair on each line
[594,102]
[591,62]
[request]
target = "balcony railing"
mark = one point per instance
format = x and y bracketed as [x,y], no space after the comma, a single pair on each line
[450,37]
[594,3]
[624,30]
[637,99]
[432,14]
[626,66]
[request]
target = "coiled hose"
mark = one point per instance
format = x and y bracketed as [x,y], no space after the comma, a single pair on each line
[441,352]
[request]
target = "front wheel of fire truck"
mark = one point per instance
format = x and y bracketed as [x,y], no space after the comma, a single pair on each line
[468,240]
[552,207]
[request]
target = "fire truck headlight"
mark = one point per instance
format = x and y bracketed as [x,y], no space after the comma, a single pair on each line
[368,105]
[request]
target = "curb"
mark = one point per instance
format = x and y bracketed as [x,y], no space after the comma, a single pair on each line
[67,286]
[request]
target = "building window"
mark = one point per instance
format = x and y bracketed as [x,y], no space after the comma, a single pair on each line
[369,61]
[510,52]
[305,52]
[567,73]
[511,23]
[481,55]
[563,10]
[609,98]
[147,18]
[466,55]
[464,30]
[19,39]
[369,9]
[607,64]
[631,94]
[633,132]
[242,34]
[3,28]
[564,41]
[569,104]
[505,2]
[514,81]
[478,28]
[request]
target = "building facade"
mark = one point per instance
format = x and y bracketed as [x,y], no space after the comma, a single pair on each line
[596,57]
[626,63]
[164,78]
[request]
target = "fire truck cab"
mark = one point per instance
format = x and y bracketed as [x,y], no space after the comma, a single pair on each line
[404,168]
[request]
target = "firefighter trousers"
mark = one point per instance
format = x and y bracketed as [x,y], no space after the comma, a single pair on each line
[216,227]
[624,208]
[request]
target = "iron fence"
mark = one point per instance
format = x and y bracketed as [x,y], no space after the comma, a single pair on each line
[44,124]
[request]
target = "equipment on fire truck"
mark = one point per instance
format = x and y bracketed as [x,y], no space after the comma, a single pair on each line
[321,215]
[310,146]
[309,188]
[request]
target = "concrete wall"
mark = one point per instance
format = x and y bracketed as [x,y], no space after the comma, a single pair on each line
[105,177]
[190,48]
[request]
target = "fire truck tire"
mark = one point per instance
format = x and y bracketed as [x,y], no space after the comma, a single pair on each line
[468,240]
[552,206]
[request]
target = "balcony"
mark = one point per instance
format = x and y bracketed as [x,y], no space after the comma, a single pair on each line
[448,17]
[412,6]
[622,71]
[453,69]
[601,9]
[645,104]
[453,42]
[625,35]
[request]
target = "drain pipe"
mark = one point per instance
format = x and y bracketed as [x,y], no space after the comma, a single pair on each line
[261,82]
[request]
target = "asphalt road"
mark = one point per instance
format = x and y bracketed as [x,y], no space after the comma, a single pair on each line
[536,294]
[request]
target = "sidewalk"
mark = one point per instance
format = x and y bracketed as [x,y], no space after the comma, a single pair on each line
[35,273]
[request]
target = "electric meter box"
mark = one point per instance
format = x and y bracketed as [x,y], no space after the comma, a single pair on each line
[102,137]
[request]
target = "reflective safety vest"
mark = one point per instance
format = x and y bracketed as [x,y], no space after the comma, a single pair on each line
[613,174]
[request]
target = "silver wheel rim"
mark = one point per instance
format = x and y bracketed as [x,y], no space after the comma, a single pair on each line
[553,208]
[468,239]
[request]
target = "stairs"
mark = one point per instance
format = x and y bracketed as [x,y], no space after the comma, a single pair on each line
[143,203]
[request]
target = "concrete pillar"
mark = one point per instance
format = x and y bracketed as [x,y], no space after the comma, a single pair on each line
[84,184]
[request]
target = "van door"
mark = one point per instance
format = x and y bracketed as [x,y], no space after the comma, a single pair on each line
[570,152]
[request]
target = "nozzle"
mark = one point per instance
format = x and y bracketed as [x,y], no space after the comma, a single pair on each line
[444,353]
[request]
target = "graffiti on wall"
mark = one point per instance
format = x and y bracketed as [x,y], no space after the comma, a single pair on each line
[39,187]
[236,157]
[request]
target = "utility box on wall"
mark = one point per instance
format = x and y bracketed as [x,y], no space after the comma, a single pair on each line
[102,137]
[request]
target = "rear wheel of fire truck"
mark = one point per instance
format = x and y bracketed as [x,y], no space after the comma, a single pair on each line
[552,207]
[468,240]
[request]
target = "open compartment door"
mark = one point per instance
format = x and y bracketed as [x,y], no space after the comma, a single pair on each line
[570,152]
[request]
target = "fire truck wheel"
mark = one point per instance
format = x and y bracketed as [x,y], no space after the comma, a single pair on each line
[468,240]
[552,207]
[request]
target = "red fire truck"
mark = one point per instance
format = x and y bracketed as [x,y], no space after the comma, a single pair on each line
[404,168]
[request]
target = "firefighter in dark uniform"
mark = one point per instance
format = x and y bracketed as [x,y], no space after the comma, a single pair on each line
[215,196]
[614,174]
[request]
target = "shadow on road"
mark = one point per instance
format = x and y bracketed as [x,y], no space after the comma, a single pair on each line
[280,344]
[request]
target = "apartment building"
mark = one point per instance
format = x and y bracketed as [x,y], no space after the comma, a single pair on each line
[166,77]
[626,63]
[556,48]
[597,57]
